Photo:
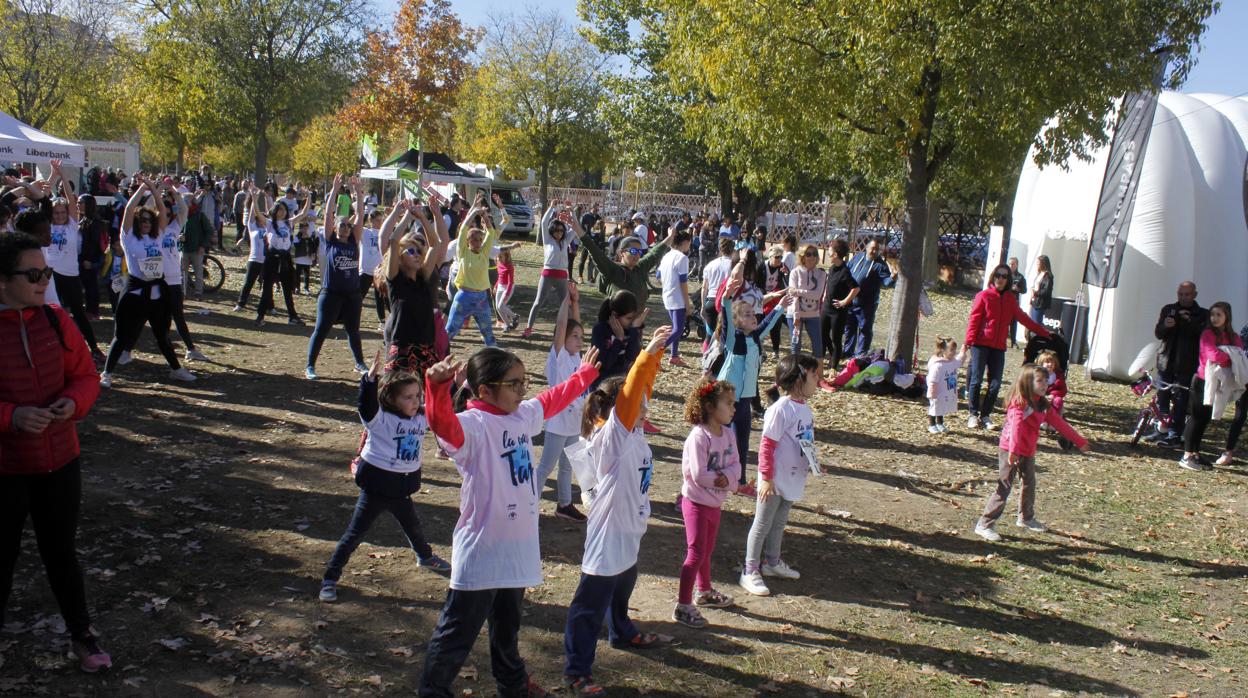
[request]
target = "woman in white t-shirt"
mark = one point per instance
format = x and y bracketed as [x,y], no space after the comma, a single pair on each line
[278,226]
[623,466]
[255,254]
[142,301]
[495,553]
[62,255]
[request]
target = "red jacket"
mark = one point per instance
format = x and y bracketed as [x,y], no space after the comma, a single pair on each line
[37,372]
[990,319]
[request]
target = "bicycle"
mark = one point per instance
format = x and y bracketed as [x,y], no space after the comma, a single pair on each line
[214,274]
[1151,414]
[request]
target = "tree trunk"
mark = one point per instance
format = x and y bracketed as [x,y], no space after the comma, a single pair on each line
[262,150]
[931,242]
[1006,217]
[725,191]
[904,323]
[177,166]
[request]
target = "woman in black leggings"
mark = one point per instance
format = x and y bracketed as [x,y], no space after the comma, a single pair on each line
[142,301]
[278,264]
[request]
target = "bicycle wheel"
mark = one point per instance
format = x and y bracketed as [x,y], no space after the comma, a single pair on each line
[214,274]
[1140,425]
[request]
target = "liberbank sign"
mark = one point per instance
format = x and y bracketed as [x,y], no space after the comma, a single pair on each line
[30,152]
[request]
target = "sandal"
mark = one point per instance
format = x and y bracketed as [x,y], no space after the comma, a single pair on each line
[713,599]
[641,641]
[583,686]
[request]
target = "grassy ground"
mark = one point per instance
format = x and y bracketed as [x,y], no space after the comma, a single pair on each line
[210,509]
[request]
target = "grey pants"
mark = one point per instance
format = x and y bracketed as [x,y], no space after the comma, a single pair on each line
[195,262]
[547,285]
[1005,481]
[767,532]
[553,452]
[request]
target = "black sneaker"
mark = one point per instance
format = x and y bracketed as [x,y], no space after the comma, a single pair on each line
[569,512]
[1171,441]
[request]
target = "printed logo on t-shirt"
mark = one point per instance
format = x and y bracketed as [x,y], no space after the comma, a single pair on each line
[59,238]
[951,380]
[170,242]
[407,444]
[519,460]
[647,470]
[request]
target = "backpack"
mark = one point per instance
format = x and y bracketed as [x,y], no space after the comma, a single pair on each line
[55,322]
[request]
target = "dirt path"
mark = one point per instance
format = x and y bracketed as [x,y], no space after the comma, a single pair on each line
[211,508]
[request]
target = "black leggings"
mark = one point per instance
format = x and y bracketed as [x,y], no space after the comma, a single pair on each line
[132,312]
[51,500]
[278,268]
[175,300]
[833,330]
[1199,416]
[69,290]
[254,271]
[381,302]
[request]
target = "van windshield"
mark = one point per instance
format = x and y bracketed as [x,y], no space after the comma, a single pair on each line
[510,197]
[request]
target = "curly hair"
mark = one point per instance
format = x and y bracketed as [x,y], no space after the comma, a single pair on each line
[702,399]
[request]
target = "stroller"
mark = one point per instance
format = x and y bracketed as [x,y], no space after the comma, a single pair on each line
[1057,344]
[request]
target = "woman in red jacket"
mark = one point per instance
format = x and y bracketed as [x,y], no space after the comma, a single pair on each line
[986,334]
[48,383]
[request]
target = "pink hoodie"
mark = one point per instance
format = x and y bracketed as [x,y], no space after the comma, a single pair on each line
[1209,351]
[1022,429]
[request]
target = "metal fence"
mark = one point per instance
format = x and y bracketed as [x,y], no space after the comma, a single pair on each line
[963,237]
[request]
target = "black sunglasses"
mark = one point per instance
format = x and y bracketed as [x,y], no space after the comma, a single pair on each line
[34,276]
[1000,275]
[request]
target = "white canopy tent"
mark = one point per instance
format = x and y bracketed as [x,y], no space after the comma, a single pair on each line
[1190,223]
[21,142]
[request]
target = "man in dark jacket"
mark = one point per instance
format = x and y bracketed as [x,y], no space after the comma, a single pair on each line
[872,273]
[1178,327]
[1018,284]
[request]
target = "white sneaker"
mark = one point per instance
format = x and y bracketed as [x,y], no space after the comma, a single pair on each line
[1225,458]
[1030,525]
[310,374]
[753,583]
[238,309]
[933,429]
[106,380]
[987,424]
[987,533]
[781,569]
[972,422]
[195,355]
[942,427]
[124,359]
[361,369]
[182,374]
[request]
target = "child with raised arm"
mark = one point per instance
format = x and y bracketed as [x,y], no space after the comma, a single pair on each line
[564,429]
[495,553]
[623,466]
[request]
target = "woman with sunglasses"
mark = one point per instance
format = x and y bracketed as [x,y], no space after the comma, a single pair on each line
[986,334]
[630,270]
[341,298]
[278,225]
[47,385]
[553,283]
[411,262]
[142,300]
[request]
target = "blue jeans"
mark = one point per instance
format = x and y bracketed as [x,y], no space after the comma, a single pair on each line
[333,307]
[1037,315]
[984,358]
[553,451]
[380,491]
[859,329]
[458,626]
[474,304]
[597,597]
[813,330]
[677,316]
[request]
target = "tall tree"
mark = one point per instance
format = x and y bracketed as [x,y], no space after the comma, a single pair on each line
[533,102]
[46,50]
[921,87]
[324,147]
[412,73]
[279,63]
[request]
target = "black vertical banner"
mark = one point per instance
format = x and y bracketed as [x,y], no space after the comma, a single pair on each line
[1120,185]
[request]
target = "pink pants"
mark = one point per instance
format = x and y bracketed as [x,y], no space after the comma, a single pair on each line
[701,528]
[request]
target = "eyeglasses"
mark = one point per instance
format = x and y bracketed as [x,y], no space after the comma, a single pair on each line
[34,276]
[519,385]
[812,253]
[410,251]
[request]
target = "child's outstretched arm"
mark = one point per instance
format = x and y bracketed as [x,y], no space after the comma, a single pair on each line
[369,406]
[556,398]
[640,379]
[439,410]
[1054,419]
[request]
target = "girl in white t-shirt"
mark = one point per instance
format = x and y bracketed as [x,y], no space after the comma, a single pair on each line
[564,429]
[710,467]
[495,553]
[623,465]
[942,383]
[785,456]
[391,406]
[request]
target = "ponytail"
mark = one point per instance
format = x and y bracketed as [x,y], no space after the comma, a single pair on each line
[599,403]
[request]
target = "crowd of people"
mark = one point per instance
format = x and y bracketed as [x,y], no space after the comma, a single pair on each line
[433,266]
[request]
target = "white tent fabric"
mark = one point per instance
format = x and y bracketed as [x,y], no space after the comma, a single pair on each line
[20,142]
[1190,223]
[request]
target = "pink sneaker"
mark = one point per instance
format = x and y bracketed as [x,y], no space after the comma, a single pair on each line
[527,332]
[90,657]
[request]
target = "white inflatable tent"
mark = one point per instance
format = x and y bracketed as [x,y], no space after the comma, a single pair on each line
[1190,223]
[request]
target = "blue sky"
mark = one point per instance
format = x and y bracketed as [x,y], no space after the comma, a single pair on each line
[1220,68]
